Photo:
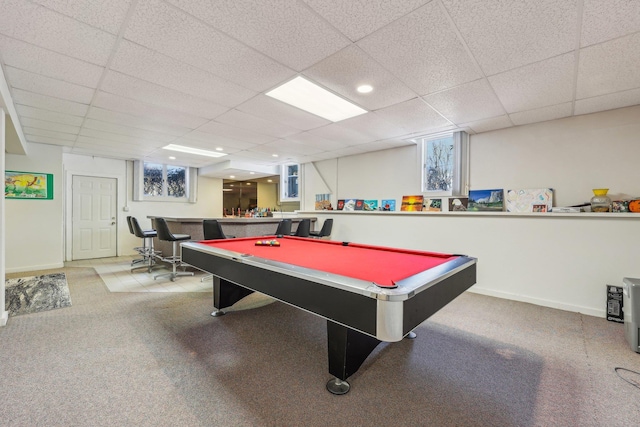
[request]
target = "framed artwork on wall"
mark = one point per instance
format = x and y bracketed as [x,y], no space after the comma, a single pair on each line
[28,185]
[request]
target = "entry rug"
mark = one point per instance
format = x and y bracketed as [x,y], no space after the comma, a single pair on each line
[27,295]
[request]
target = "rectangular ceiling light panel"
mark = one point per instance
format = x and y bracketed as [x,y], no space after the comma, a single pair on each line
[307,96]
[191,150]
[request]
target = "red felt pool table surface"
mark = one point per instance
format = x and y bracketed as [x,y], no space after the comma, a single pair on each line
[378,264]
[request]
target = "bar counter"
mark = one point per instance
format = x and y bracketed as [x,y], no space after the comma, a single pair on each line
[233,226]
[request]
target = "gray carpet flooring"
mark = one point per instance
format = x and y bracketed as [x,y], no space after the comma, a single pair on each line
[147,359]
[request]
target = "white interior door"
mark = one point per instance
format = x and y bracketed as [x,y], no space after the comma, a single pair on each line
[94,222]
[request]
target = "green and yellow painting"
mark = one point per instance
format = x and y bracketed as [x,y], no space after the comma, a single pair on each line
[28,185]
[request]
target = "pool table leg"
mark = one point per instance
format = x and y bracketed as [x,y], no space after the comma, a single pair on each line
[225,294]
[348,349]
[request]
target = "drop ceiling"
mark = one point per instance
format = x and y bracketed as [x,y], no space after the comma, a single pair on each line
[123,78]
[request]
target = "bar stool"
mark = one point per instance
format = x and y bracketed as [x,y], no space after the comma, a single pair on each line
[212,230]
[324,231]
[147,252]
[303,228]
[160,224]
[138,249]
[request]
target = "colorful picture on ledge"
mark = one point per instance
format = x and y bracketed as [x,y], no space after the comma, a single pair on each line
[28,185]
[370,205]
[412,203]
[458,204]
[433,205]
[529,200]
[388,205]
[486,200]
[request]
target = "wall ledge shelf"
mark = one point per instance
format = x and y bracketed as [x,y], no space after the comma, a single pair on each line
[590,215]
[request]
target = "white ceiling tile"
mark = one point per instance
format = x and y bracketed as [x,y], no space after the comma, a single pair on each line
[547,82]
[374,126]
[256,124]
[106,15]
[53,126]
[212,140]
[344,71]
[98,129]
[165,29]
[113,141]
[605,20]
[143,91]
[48,140]
[233,132]
[129,120]
[413,116]
[307,138]
[271,109]
[49,134]
[489,124]
[423,51]
[542,114]
[287,31]
[40,26]
[151,112]
[143,134]
[608,102]
[467,103]
[47,86]
[507,34]
[282,146]
[31,58]
[357,19]
[342,134]
[154,67]
[22,97]
[609,67]
[50,116]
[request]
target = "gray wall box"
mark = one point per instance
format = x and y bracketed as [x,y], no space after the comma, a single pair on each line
[631,307]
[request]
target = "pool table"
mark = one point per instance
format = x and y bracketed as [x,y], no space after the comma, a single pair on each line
[367,294]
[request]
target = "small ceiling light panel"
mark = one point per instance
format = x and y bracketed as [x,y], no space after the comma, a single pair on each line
[364,88]
[310,97]
[191,150]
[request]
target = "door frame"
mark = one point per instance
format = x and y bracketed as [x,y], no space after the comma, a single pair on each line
[68,209]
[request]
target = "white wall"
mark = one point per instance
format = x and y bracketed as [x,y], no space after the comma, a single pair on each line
[572,155]
[34,237]
[556,261]
[209,198]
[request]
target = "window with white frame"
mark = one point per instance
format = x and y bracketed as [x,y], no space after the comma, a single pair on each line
[156,181]
[445,164]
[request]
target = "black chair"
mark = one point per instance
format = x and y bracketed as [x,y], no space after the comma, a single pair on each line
[284,228]
[160,224]
[213,230]
[138,249]
[147,236]
[303,228]
[324,231]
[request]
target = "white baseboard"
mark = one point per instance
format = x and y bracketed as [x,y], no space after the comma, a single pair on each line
[34,267]
[544,303]
[4,317]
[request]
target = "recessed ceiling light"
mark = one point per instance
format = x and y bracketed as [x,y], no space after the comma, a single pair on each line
[248,183]
[232,176]
[252,173]
[310,97]
[219,149]
[269,180]
[172,157]
[274,155]
[364,88]
[192,150]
